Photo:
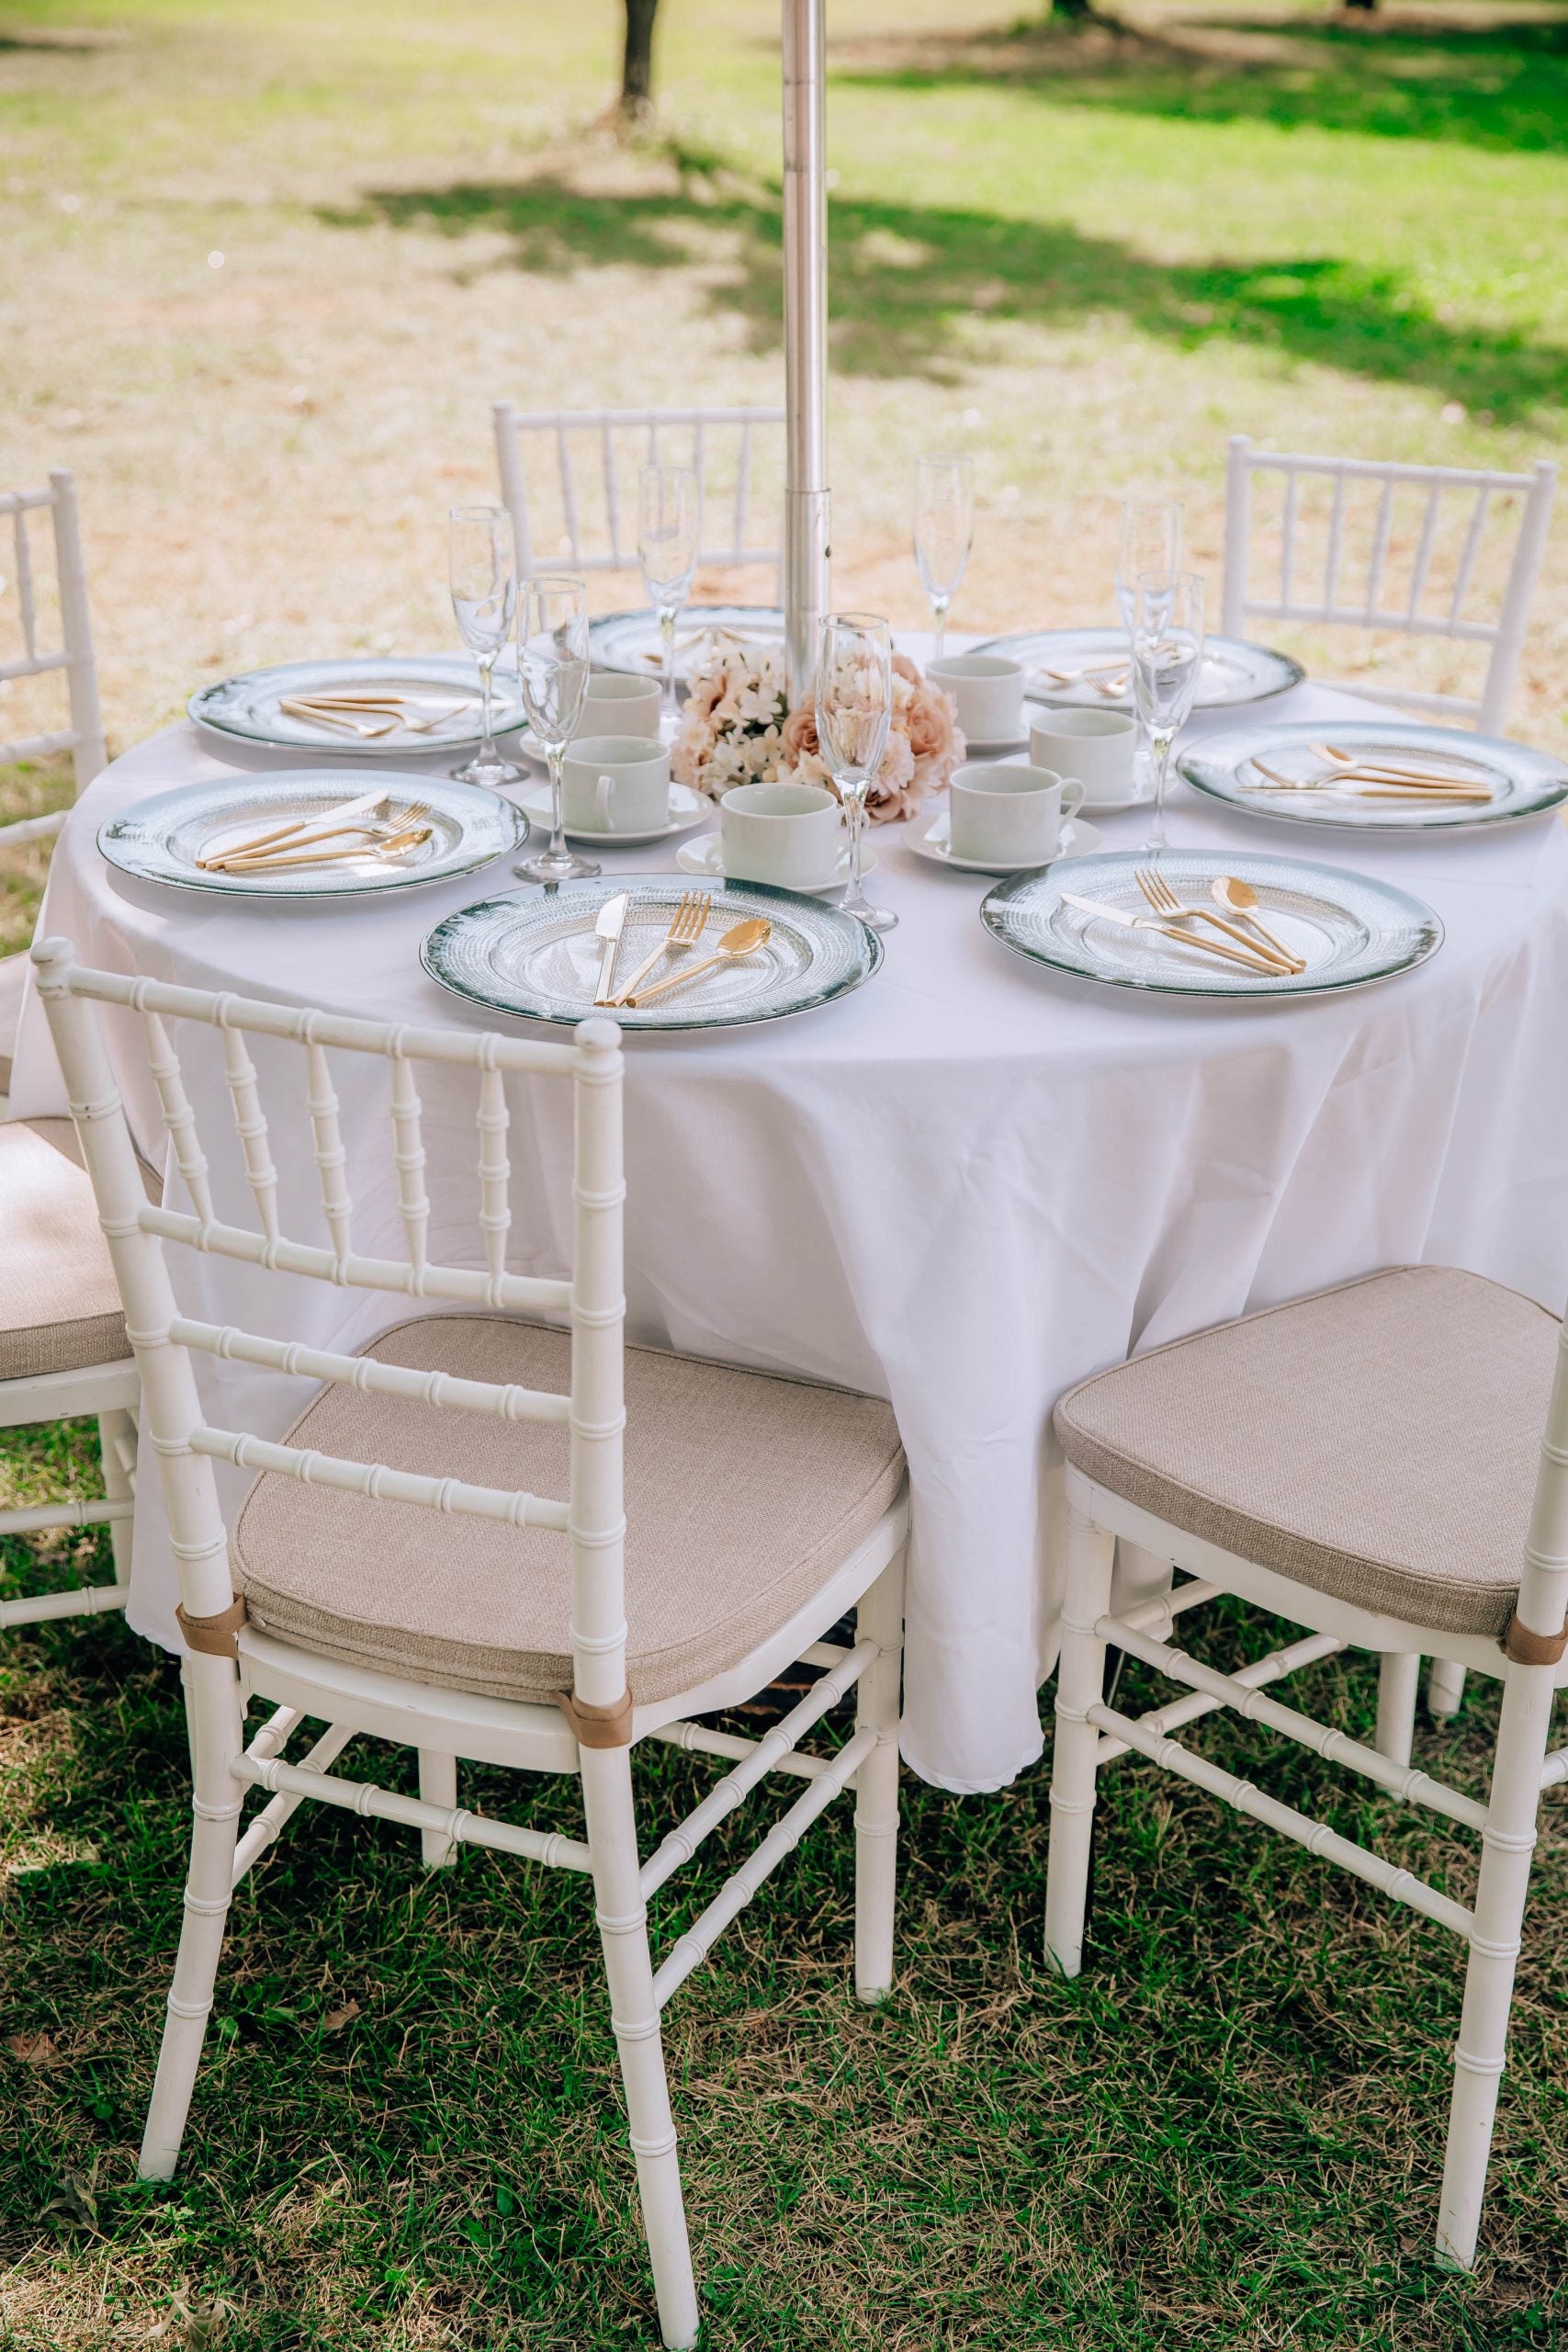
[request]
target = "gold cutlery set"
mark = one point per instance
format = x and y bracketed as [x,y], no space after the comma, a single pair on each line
[357,830]
[1255,947]
[686,927]
[1108,678]
[1380,774]
[370,713]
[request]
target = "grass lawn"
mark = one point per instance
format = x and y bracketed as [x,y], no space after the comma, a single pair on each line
[1091,257]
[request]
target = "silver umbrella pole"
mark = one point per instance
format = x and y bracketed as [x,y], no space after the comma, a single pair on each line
[806,339]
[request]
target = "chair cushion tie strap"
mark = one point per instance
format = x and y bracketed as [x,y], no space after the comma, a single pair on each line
[1533,1649]
[598,1726]
[214,1636]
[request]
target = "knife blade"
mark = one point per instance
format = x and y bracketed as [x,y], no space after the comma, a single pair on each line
[609,925]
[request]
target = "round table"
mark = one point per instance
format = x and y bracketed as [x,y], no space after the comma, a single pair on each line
[966,1186]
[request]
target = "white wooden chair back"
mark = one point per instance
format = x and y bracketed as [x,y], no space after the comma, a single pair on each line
[1364,545]
[84,738]
[589,1517]
[568,478]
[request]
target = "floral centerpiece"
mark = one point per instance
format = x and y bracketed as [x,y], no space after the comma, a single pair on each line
[737,728]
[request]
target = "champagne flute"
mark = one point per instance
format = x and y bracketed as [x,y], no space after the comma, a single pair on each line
[944,530]
[1168,654]
[552,663]
[669,526]
[1150,541]
[854,711]
[483,579]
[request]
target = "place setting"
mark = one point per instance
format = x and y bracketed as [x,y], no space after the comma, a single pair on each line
[1371,775]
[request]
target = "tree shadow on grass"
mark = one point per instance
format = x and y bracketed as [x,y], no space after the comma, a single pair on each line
[907,281]
[1500,86]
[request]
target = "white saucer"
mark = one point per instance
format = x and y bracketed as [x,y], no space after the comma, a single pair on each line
[706,857]
[985,747]
[1079,839]
[686,808]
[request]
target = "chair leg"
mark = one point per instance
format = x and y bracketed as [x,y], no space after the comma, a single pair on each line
[1445,1688]
[1080,1680]
[212,1709]
[117,1446]
[880,1618]
[622,1929]
[437,1785]
[1507,1843]
[1399,1677]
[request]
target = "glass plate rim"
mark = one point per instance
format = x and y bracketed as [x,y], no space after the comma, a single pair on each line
[234,887]
[1015,886]
[608,885]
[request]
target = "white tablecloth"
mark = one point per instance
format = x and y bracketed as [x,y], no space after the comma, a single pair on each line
[963,1188]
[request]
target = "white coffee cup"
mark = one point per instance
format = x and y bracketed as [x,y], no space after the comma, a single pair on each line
[784,833]
[1013,814]
[1098,746]
[988,691]
[615,783]
[614,704]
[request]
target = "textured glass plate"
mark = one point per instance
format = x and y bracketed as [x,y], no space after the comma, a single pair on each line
[630,641]
[159,840]
[1350,929]
[1524,783]
[1234,671]
[251,706]
[538,955]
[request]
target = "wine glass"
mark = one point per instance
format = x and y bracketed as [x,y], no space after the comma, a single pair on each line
[1150,541]
[1168,654]
[855,710]
[945,529]
[552,664]
[668,527]
[483,579]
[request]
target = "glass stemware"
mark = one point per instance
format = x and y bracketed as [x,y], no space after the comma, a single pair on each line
[668,527]
[552,662]
[1150,541]
[854,711]
[944,531]
[482,575]
[1168,654]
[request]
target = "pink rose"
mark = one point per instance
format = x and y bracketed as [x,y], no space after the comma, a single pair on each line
[894,792]
[797,737]
[931,724]
[904,668]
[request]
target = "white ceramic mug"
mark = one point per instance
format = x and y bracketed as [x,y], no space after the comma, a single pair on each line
[615,783]
[1013,814]
[784,833]
[1098,746]
[988,690]
[614,704]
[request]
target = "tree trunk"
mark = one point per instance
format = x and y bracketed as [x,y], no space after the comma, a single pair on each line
[637,73]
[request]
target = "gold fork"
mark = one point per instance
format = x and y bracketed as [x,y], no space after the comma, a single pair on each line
[686,927]
[411,815]
[1164,901]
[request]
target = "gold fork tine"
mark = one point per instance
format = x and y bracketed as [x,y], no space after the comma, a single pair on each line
[1165,901]
[686,926]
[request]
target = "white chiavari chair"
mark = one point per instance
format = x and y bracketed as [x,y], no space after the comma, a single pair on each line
[84,738]
[64,1352]
[1369,546]
[387,1574]
[1386,1505]
[587,517]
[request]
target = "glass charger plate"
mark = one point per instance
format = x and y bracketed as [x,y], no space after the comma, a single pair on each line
[1524,783]
[251,708]
[1349,929]
[1235,671]
[159,839]
[630,641]
[538,955]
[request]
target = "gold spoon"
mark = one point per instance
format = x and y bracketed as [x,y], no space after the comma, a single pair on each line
[1229,891]
[742,939]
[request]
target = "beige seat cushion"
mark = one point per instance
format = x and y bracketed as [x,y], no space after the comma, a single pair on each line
[743,1495]
[1377,1441]
[59,1305]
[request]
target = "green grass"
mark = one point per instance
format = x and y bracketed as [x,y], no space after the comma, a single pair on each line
[406,2132]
